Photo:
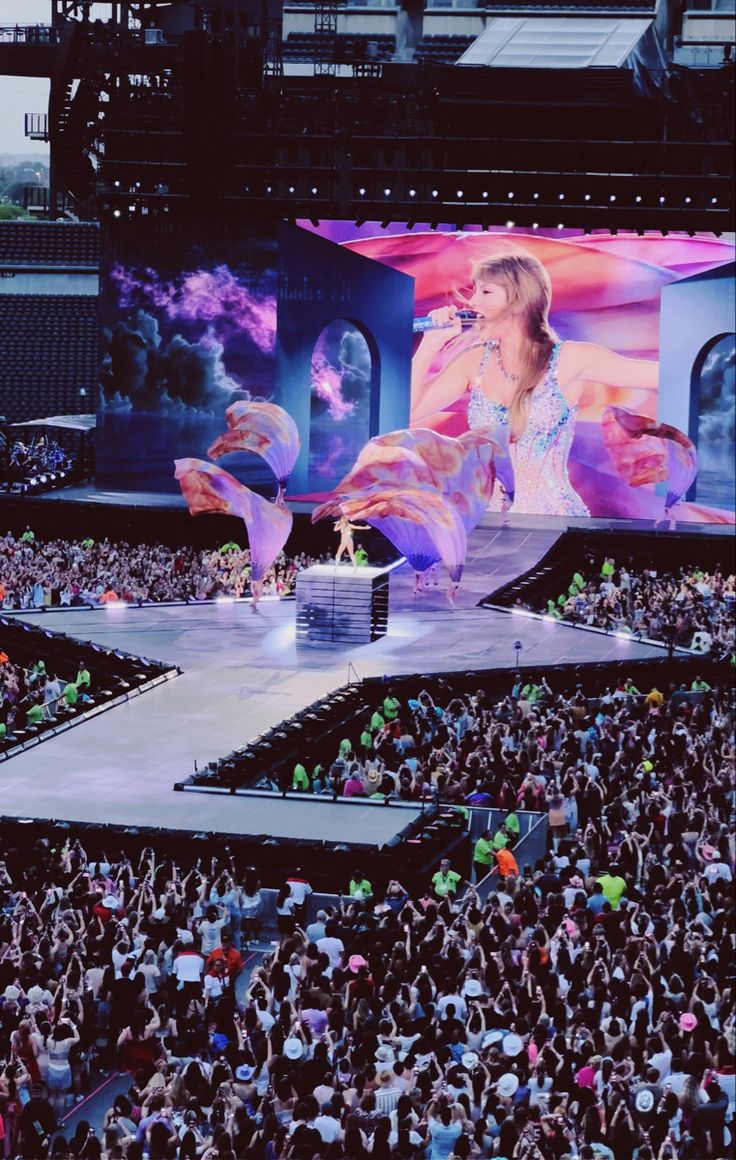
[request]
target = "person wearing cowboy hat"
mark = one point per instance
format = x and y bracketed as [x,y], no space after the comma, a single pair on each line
[388,1091]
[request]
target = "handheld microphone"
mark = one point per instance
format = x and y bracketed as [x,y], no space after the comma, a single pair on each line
[466,317]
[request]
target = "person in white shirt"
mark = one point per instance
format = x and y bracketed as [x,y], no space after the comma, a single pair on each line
[333,947]
[210,928]
[461,1007]
[299,888]
[188,964]
[216,982]
[327,1126]
[120,952]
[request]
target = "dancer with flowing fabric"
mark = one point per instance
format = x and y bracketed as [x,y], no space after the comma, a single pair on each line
[522,382]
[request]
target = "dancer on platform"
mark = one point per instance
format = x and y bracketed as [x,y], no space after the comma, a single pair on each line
[522,382]
[346,529]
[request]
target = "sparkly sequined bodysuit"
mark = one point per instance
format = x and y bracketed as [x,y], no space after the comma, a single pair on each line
[539,457]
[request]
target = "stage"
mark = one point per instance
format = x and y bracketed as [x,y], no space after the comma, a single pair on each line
[243,672]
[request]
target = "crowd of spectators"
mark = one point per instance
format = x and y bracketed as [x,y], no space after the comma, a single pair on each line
[692,608]
[578,1008]
[62,572]
[30,697]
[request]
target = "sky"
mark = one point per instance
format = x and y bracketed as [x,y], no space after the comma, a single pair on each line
[20,95]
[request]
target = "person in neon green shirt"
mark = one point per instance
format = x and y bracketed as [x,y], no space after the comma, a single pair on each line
[500,840]
[607,568]
[578,579]
[88,543]
[513,829]
[483,857]
[70,693]
[34,716]
[360,888]
[300,778]
[531,692]
[361,556]
[377,721]
[346,746]
[83,681]
[552,610]
[28,536]
[700,686]
[613,886]
[391,706]
[446,881]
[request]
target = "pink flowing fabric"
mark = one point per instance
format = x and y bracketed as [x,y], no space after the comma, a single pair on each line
[460,470]
[421,524]
[264,428]
[644,451]
[208,489]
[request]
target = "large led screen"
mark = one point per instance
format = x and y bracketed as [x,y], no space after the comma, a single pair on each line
[631,409]
[188,327]
[647,320]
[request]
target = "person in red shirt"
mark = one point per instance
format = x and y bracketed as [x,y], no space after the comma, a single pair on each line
[232,958]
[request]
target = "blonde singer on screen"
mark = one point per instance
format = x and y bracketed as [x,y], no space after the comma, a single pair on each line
[521,380]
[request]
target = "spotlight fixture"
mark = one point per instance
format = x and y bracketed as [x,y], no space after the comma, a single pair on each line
[484,195]
[587,197]
[535,196]
[510,225]
[116,213]
[314,189]
[291,189]
[637,199]
[612,197]
[510,194]
[387,192]
[688,200]
[412,193]
[361,191]
[661,199]
[435,193]
[714,201]
[561,197]
[458,193]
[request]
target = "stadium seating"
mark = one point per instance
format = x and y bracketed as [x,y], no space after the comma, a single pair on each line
[49,354]
[67,244]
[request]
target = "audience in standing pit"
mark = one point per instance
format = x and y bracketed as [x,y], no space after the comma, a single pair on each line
[60,572]
[581,1008]
[692,608]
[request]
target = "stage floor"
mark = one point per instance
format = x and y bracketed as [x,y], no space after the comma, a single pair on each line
[243,673]
[91,493]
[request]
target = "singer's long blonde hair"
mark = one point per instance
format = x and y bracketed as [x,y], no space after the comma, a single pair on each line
[529,293]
